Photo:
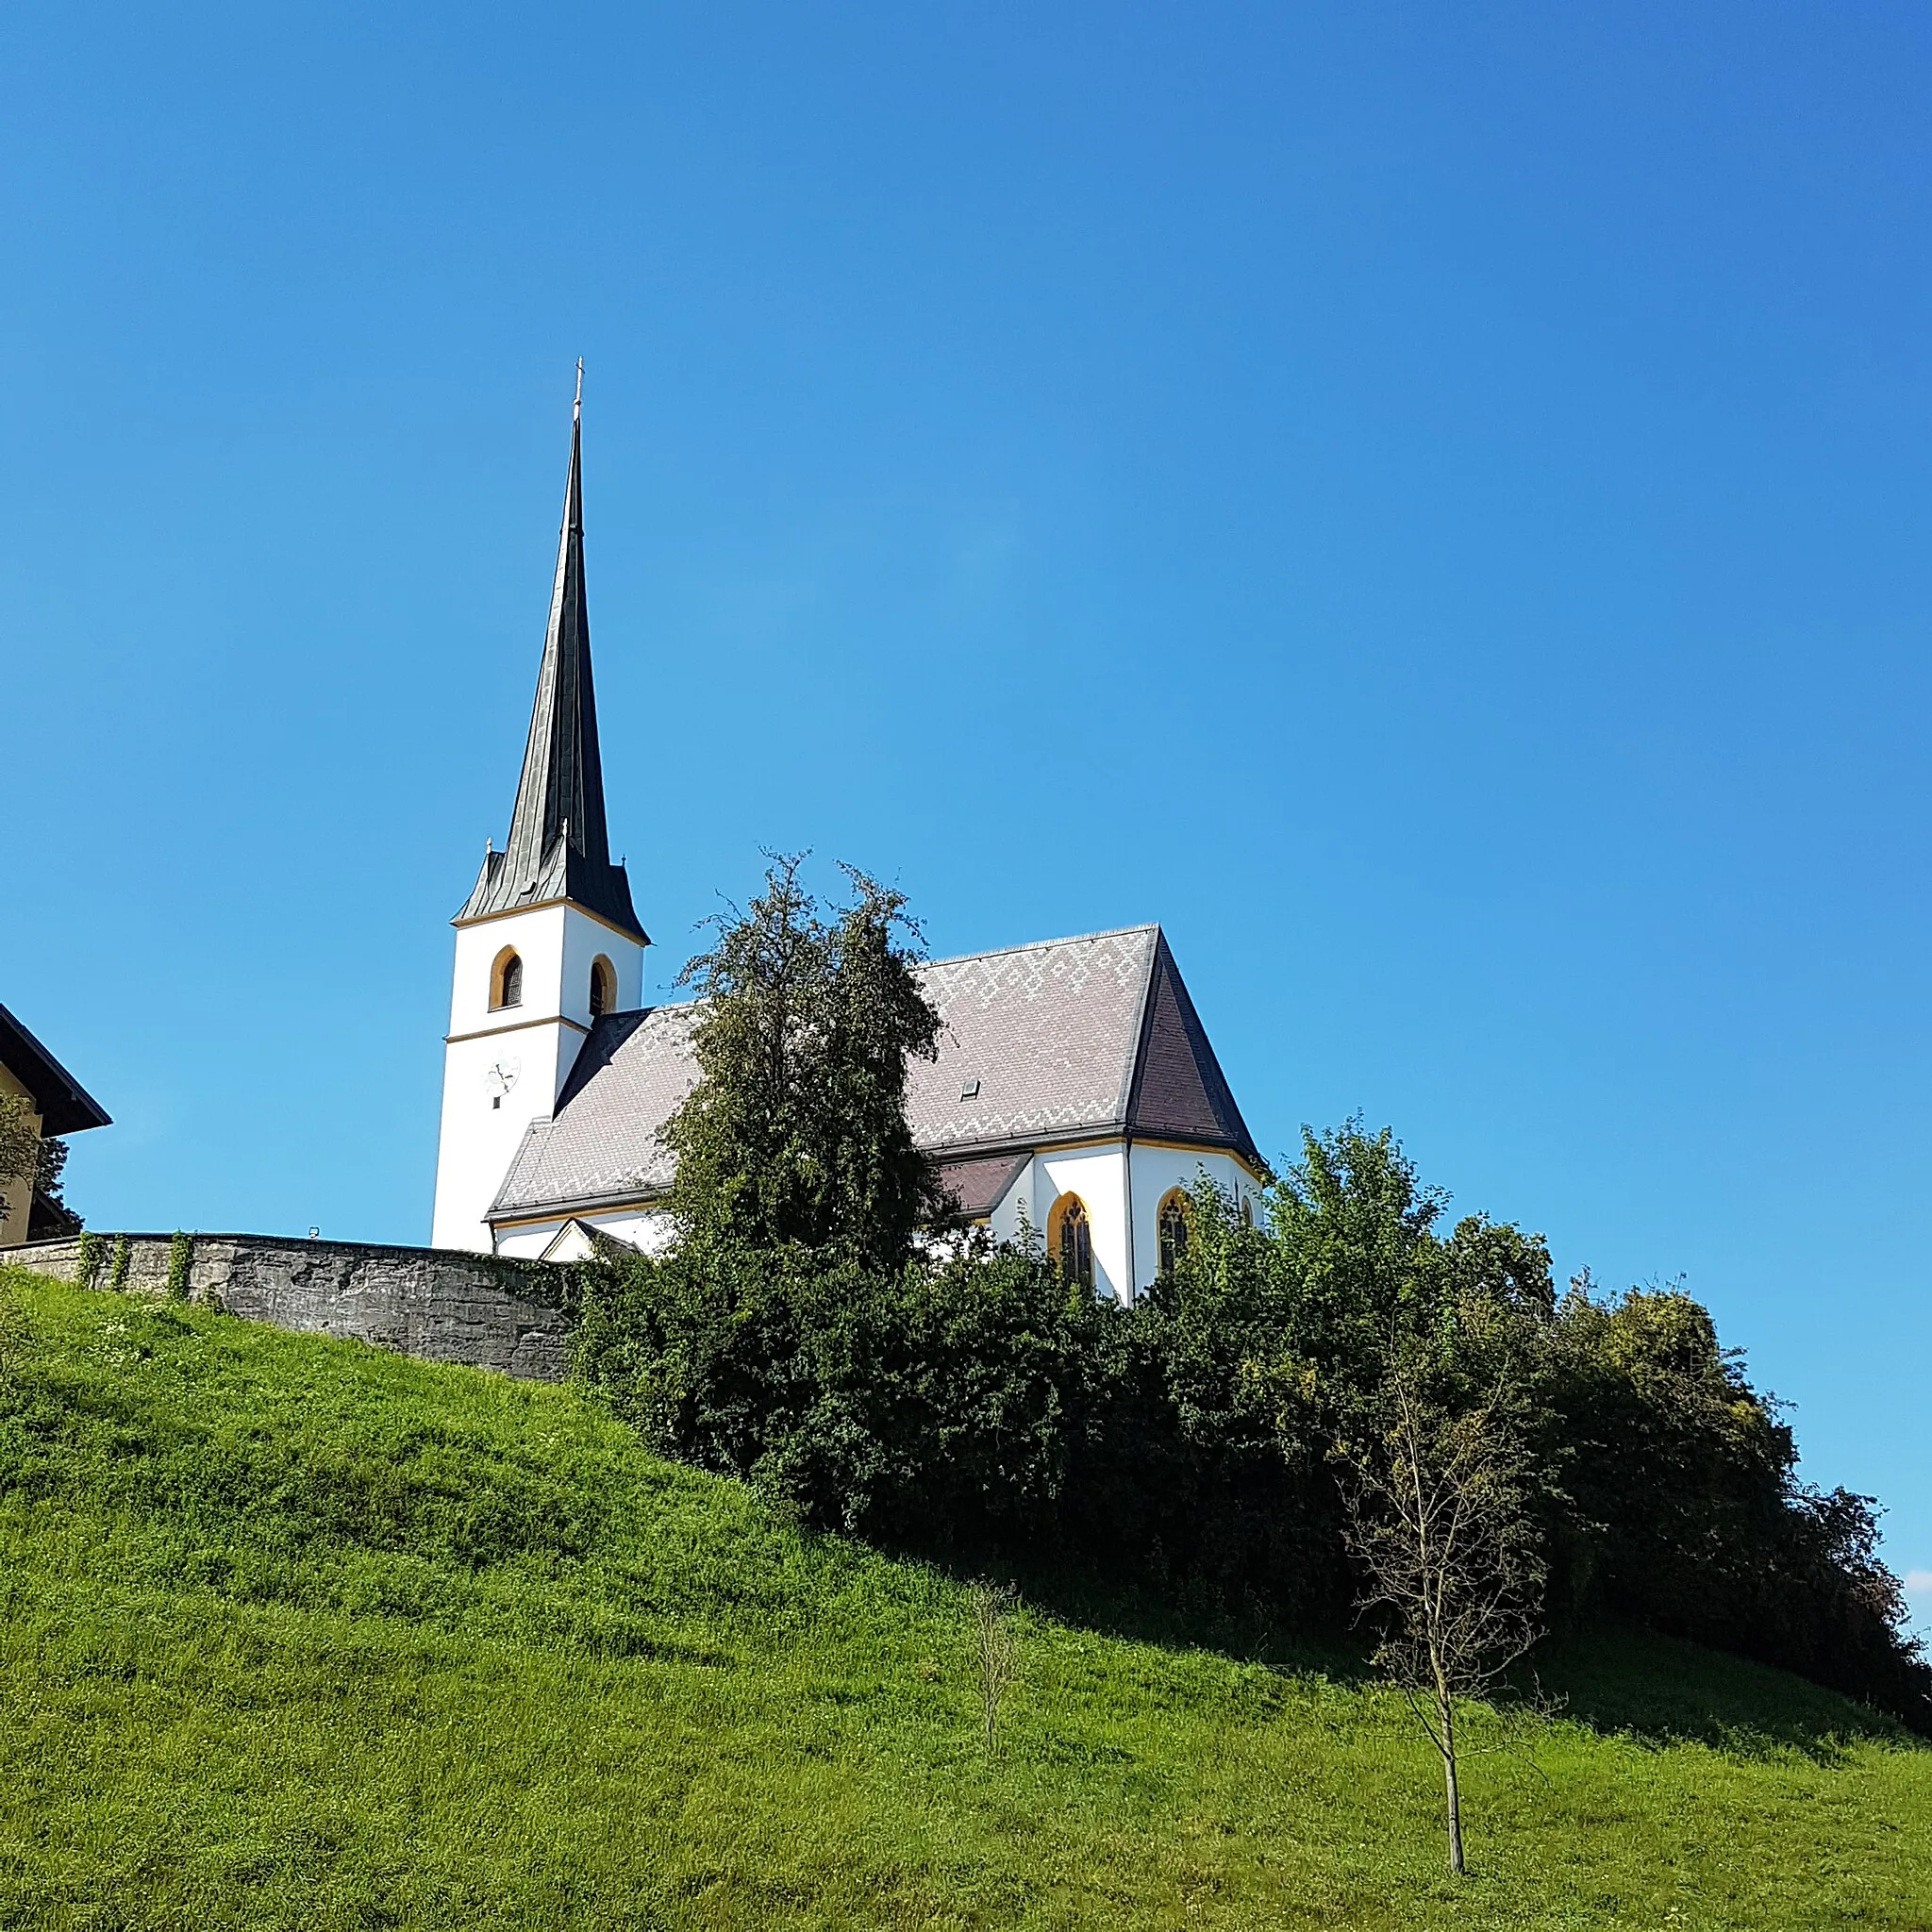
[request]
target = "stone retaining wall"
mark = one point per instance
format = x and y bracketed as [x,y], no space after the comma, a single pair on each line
[440,1303]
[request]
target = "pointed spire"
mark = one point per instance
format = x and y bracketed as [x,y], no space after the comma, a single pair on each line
[559,846]
[561,793]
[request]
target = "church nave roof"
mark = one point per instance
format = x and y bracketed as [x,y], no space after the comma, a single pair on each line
[1073,1038]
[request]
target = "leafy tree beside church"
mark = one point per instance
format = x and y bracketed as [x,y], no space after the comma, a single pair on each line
[797,1133]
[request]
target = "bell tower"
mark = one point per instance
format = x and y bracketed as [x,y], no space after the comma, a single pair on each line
[547,943]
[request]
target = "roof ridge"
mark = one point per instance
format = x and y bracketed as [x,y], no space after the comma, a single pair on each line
[1071,939]
[1137,1053]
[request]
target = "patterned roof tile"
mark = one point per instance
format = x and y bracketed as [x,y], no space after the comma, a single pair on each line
[1036,1043]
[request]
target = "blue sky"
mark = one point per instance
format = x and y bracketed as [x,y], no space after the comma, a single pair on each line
[1429,504]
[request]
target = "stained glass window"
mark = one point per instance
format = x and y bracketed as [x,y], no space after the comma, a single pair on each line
[1073,1240]
[1174,1232]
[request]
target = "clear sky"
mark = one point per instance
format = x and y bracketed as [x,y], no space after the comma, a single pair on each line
[1430,504]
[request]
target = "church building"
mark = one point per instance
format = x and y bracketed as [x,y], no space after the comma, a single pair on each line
[1075,1090]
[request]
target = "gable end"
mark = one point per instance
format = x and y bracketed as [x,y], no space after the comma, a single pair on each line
[1179,1092]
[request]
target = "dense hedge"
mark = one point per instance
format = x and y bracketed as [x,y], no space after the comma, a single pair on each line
[979,1402]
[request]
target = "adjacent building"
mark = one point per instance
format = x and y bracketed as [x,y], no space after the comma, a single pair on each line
[58,1106]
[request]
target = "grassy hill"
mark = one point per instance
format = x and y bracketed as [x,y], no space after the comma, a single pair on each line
[301,1634]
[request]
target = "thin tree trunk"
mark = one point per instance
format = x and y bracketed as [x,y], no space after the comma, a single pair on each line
[1451,1788]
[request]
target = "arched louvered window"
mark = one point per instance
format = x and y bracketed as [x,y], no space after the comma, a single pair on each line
[1072,1240]
[1173,1224]
[506,979]
[603,985]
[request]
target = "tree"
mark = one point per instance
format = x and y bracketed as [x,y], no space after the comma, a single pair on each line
[796,1130]
[879,1188]
[996,1649]
[20,1146]
[1683,1507]
[1439,1524]
[50,1170]
[1353,1227]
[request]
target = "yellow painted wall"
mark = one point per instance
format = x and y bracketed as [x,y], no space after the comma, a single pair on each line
[16,1191]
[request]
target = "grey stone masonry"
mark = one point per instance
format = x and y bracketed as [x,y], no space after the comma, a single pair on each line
[439,1304]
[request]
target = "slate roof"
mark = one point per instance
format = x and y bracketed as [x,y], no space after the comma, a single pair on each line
[65,1105]
[629,1075]
[560,845]
[1073,1038]
[1047,1033]
[978,1185]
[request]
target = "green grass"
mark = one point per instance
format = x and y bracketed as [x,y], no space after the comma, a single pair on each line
[302,1634]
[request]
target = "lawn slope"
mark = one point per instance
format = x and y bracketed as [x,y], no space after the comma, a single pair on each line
[301,1634]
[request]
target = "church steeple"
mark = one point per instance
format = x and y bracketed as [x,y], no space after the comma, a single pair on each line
[559,847]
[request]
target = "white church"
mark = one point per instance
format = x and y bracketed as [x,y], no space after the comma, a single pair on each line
[1074,1091]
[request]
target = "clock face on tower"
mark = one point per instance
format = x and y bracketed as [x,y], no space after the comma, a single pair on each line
[500,1078]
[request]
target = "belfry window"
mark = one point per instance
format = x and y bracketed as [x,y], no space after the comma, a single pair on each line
[1173,1224]
[1072,1240]
[507,980]
[603,985]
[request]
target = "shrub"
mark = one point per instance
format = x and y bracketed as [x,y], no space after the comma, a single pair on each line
[975,1402]
[938,1401]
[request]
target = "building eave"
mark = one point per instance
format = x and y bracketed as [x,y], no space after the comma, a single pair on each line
[531,1213]
[64,1105]
[526,1214]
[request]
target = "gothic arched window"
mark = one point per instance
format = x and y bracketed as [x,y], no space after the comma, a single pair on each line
[1173,1223]
[506,979]
[1247,1213]
[1072,1240]
[603,985]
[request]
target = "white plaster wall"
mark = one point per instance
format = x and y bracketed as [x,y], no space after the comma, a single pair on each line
[648,1228]
[1158,1170]
[584,938]
[479,1137]
[537,1040]
[556,944]
[1098,1175]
